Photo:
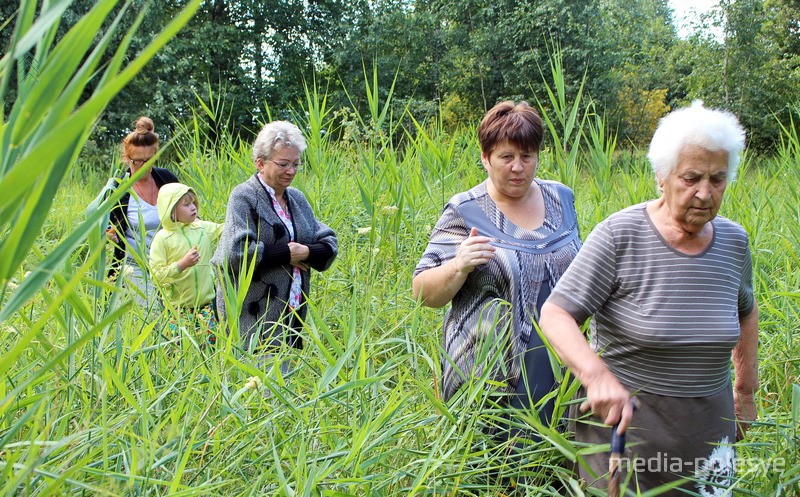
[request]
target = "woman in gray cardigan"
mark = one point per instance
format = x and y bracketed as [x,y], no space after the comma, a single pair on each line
[271,230]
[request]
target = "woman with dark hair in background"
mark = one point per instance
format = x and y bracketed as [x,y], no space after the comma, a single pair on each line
[495,253]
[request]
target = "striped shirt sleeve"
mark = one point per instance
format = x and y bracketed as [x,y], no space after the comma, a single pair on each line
[591,278]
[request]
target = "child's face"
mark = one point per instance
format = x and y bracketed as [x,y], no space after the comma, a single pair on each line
[186,210]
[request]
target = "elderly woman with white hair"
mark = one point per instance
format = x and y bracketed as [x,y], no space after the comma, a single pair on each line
[271,230]
[669,285]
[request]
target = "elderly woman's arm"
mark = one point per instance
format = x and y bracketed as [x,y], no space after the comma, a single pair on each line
[320,245]
[437,286]
[320,256]
[239,243]
[745,367]
[605,395]
[325,249]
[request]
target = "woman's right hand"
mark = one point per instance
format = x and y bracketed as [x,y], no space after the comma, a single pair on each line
[191,258]
[438,285]
[111,234]
[473,251]
[608,400]
[298,254]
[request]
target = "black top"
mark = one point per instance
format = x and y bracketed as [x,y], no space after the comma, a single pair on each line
[119,216]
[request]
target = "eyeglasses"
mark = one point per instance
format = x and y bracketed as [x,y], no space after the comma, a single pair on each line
[139,162]
[288,165]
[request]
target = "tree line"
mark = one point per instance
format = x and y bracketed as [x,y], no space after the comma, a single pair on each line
[252,60]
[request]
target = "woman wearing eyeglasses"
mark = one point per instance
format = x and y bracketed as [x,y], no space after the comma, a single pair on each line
[134,220]
[271,229]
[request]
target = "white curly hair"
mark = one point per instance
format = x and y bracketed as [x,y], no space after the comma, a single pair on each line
[277,134]
[697,125]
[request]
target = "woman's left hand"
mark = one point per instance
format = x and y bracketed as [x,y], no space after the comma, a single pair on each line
[745,366]
[744,406]
[299,253]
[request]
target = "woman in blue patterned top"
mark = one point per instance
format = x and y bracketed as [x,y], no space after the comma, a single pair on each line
[494,254]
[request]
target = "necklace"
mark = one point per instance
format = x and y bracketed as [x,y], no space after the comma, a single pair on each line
[147,192]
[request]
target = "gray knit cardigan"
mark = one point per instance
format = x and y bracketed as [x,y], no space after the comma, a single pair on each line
[254,234]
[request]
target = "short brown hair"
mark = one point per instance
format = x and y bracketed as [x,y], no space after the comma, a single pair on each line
[143,135]
[520,124]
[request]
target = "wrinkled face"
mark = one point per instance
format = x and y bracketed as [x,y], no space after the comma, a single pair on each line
[279,170]
[186,210]
[511,169]
[693,191]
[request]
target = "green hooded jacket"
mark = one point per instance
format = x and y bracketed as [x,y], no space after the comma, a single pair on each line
[193,287]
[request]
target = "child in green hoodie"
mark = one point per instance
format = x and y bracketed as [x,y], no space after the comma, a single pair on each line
[179,259]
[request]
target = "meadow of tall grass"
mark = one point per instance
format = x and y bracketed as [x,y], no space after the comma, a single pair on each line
[97,399]
[101,401]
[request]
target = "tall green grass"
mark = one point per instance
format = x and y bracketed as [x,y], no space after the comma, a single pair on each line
[99,400]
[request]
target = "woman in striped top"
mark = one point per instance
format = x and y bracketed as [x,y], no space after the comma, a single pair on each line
[495,253]
[669,286]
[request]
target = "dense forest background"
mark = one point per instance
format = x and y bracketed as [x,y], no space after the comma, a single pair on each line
[251,60]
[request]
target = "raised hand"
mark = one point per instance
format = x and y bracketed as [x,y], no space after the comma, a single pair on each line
[473,251]
[191,258]
[111,234]
[299,253]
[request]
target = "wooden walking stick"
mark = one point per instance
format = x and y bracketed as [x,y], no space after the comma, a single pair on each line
[617,449]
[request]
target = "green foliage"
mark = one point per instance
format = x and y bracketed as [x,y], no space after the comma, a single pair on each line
[748,71]
[207,53]
[459,58]
[115,404]
[45,130]
[642,110]
[97,399]
[565,122]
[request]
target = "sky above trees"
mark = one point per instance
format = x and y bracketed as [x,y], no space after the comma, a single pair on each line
[686,13]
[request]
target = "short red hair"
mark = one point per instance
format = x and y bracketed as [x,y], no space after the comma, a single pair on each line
[520,124]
